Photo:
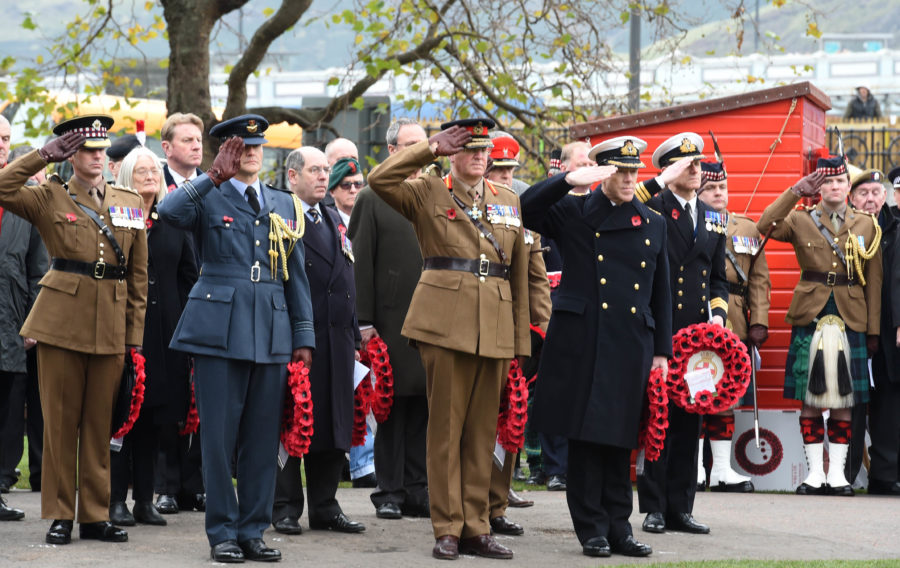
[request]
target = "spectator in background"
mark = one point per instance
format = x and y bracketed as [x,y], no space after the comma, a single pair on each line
[334,151]
[182,143]
[863,106]
[117,151]
[23,261]
[171,272]
[344,183]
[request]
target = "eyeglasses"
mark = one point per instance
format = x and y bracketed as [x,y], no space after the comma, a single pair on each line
[316,170]
[351,184]
[144,172]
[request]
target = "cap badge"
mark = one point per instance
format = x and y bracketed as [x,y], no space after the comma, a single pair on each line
[252,127]
[506,152]
[628,149]
[687,146]
[96,125]
[479,129]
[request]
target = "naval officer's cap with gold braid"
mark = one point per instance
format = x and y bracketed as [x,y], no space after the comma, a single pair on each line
[621,151]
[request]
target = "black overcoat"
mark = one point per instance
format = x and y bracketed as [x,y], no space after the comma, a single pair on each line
[171,273]
[886,362]
[611,313]
[330,275]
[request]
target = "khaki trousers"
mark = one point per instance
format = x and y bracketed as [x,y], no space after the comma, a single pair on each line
[463,402]
[501,480]
[77,395]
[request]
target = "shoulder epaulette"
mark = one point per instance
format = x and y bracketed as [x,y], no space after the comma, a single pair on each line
[123,188]
[433,169]
[654,210]
[740,216]
[503,186]
[585,194]
[279,189]
[54,177]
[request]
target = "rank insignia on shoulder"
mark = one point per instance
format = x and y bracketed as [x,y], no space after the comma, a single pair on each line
[127,217]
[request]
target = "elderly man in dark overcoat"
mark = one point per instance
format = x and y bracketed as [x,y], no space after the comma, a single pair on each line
[329,268]
[614,303]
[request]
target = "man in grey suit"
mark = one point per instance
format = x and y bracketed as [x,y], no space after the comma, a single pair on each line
[245,318]
[388,266]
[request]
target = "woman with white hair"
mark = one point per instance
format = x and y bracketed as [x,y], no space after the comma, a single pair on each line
[172,271]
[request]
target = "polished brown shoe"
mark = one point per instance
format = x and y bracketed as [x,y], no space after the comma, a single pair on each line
[484,545]
[502,525]
[516,500]
[446,548]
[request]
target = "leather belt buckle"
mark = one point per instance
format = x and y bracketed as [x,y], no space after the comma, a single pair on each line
[99,270]
[484,267]
[831,278]
[254,273]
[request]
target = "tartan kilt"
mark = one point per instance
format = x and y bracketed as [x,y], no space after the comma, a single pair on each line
[796,368]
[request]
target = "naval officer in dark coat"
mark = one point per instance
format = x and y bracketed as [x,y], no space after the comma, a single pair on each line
[613,302]
[245,318]
[696,243]
[329,269]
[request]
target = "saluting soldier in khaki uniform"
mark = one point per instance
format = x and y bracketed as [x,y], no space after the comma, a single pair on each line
[835,305]
[748,290]
[468,317]
[90,308]
[501,166]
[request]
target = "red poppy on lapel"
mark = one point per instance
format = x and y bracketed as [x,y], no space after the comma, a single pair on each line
[675,214]
[451,213]
[227,219]
[71,217]
[149,223]
[636,220]
[171,187]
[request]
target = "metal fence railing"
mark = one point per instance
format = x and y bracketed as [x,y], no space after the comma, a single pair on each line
[873,147]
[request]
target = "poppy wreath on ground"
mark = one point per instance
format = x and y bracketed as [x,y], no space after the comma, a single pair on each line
[513,410]
[375,355]
[654,417]
[362,404]
[193,419]
[702,345]
[137,392]
[297,422]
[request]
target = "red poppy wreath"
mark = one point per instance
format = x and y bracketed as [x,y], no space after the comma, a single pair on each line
[375,356]
[137,393]
[193,419]
[705,346]
[513,410]
[297,422]
[655,416]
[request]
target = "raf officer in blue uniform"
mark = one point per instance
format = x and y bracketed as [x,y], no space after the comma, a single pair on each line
[696,248]
[614,302]
[245,318]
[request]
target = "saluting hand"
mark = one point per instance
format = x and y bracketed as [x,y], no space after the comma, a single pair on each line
[450,141]
[671,173]
[227,162]
[809,185]
[589,175]
[61,148]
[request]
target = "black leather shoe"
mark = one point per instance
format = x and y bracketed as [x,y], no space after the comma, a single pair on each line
[844,491]
[367,481]
[338,523]
[684,522]
[806,489]
[388,511]
[538,477]
[145,513]
[485,546]
[256,549]
[227,551]
[630,547]
[7,513]
[417,510]
[167,505]
[103,530]
[878,487]
[60,532]
[596,547]
[519,475]
[517,501]
[654,523]
[191,502]
[119,514]
[556,483]
[288,525]
[446,548]
[502,525]
[743,487]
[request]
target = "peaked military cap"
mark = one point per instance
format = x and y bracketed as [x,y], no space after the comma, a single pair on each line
[621,151]
[504,152]
[831,166]
[121,146]
[894,177]
[95,129]
[683,145]
[250,127]
[478,127]
[866,176]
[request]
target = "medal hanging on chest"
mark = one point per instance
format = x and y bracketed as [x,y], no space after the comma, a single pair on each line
[474,212]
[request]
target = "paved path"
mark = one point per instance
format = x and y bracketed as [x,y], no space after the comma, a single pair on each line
[755,526]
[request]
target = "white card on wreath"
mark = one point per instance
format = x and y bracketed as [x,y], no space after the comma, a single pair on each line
[700,380]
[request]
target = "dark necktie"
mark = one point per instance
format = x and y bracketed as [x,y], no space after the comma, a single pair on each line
[252,200]
[314,215]
[687,211]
